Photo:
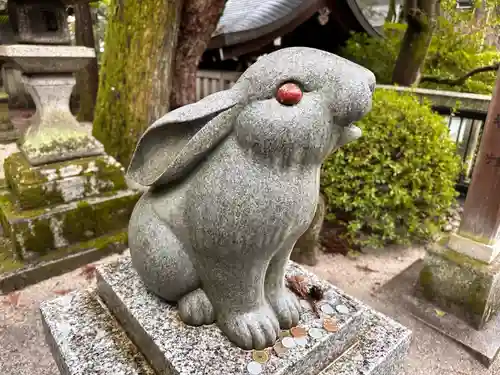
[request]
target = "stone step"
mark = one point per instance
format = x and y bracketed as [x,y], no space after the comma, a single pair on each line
[85,339]
[71,324]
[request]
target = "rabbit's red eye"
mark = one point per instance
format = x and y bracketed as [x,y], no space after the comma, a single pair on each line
[289,94]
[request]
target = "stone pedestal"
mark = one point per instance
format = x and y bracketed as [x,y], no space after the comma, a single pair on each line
[55,134]
[84,336]
[461,275]
[57,210]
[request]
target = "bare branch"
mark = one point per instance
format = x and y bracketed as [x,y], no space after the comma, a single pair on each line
[461,80]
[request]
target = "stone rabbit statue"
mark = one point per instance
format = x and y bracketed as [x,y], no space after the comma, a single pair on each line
[234,182]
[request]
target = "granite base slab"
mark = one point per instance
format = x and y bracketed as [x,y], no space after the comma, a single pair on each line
[403,290]
[379,348]
[85,339]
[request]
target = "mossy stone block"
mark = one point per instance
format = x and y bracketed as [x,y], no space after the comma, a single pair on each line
[37,232]
[461,285]
[17,274]
[63,182]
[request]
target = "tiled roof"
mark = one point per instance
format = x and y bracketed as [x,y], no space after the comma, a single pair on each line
[251,15]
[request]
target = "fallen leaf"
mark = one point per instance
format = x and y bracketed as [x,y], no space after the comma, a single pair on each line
[12,299]
[62,292]
[439,313]
[88,271]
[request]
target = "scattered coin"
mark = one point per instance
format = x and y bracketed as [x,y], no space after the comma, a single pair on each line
[316,333]
[301,341]
[298,332]
[254,368]
[285,333]
[288,342]
[279,349]
[330,325]
[327,309]
[260,356]
[342,309]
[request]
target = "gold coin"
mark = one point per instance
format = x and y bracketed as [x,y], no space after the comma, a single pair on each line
[279,349]
[260,356]
[330,325]
[298,332]
[285,333]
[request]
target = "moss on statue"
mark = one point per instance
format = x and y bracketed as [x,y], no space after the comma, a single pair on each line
[134,76]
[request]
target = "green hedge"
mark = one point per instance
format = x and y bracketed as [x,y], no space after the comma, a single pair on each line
[394,184]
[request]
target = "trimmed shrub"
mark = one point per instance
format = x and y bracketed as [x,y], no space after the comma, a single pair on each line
[395,184]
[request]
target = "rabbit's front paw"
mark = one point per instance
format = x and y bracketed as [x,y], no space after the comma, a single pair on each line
[196,309]
[256,329]
[287,308]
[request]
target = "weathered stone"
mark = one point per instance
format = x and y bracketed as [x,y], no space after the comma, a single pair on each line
[306,248]
[39,23]
[379,348]
[37,232]
[63,182]
[18,274]
[54,134]
[18,97]
[32,59]
[483,344]
[235,183]
[468,288]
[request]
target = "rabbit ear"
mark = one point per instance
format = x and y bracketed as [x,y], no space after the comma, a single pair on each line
[173,145]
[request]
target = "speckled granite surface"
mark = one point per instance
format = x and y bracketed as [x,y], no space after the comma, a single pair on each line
[380,349]
[86,340]
[73,322]
[170,345]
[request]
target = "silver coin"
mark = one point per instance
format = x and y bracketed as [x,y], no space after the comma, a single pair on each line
[288,342]
[301,341]
[327,309]
[342,309]
[316,333]
[254,368]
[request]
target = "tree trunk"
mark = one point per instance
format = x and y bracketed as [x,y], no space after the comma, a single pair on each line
[87,80]
[134,85]
[420,18]
[391,13]
[199,20]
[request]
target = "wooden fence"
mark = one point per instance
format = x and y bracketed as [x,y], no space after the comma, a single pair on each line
[211,81]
